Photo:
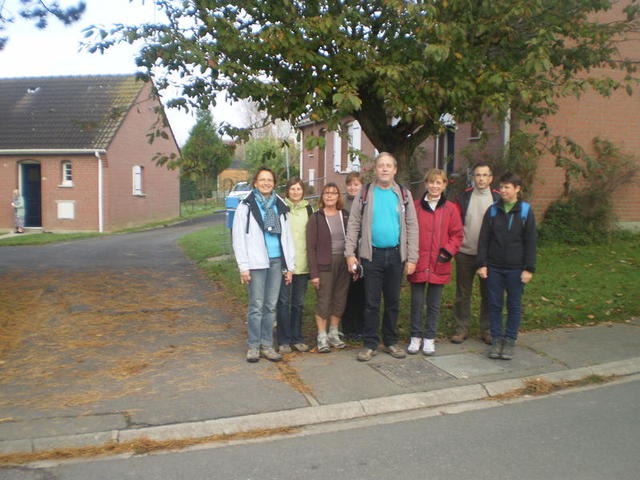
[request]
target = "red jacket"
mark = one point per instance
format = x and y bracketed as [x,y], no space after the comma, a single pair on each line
[440,236]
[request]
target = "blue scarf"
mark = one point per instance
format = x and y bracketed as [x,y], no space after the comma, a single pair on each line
[271,221]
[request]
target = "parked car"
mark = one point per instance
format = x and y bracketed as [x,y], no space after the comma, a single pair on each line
[240,190]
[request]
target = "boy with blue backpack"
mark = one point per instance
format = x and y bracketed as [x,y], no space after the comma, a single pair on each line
[507,259]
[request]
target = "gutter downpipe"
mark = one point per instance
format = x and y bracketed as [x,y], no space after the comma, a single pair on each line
[301,156]
[100,194]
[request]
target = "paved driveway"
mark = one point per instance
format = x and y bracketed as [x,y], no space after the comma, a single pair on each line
[123,329]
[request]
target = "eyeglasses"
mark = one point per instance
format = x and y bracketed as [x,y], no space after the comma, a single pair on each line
[330,193]
[481,174]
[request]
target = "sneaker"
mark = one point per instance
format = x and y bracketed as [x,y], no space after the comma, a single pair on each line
[414,345]
[485,337]
[458,338]
[429,347]
[395,351]
[323,344]
[270,354]
[496,348]
[253,355]
[366,354]
[301,347]
[284,349]
[507,349]
[335,341]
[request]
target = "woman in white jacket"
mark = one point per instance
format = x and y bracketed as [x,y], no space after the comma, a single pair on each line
[263,248]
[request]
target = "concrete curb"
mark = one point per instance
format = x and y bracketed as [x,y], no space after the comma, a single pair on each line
[306,416]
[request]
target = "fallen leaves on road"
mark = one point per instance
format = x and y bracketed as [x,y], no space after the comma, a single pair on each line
[137,447]
[71,339]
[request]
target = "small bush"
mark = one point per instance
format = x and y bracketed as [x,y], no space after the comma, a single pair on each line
[567,220]
[584,214]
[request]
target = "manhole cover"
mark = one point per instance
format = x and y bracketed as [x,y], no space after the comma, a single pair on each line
[466,365]
[412,372]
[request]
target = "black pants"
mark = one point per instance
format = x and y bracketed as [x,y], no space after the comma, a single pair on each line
[353,317]
[382,276]
[434,299]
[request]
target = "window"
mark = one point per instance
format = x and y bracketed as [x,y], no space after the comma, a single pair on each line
[355,145]
[337,151]
[475,133]
[137,180]
[66,173]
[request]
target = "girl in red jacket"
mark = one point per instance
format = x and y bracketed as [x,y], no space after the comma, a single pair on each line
[440,229]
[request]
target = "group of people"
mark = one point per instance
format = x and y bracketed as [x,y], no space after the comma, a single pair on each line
[354,250]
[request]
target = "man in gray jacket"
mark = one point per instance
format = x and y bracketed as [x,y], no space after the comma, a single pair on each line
[383,229]
[472,203]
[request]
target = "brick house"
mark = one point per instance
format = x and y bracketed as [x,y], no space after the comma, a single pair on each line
[77,149]
[615,118]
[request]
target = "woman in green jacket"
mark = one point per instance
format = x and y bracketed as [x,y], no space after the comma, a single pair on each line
[291,299]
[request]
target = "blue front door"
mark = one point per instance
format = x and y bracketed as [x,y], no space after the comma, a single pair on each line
[32,195]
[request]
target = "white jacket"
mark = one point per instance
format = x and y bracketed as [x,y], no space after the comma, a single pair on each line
[249,248]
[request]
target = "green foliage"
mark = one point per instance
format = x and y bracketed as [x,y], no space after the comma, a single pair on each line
[204,155]
[383,59]
[271,152]
[521,157]
[585,212]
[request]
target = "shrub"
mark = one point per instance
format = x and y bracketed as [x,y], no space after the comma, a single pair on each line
[584,214]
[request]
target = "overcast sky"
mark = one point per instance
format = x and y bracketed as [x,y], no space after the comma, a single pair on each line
[55,51]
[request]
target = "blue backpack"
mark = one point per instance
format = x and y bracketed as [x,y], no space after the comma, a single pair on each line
[524,213]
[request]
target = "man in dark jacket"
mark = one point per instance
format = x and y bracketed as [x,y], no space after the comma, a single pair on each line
[472,203]
[507,259]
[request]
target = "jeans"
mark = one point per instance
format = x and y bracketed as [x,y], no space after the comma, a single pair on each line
[290,304]
[434,297]
[499,281]
[264,289]
[382,276]
[465,275]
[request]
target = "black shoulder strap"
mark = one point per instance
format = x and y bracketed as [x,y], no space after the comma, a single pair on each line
[364,192]
[309,210]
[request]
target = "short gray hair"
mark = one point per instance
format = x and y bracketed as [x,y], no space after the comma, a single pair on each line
[387,154]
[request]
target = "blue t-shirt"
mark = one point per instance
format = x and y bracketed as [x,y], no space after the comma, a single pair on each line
[385,228]
[271,240]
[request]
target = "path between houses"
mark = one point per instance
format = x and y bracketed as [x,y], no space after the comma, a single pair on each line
[121,337]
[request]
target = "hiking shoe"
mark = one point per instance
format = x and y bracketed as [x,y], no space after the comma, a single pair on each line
[496,348]
[301,347]
[429,347]
[458,338]
[507,349]
[270,354]
[366,354]
[485,337]
[414,345]
[395,351]
[323,344]
[335,341]
[253,355]
[284,349]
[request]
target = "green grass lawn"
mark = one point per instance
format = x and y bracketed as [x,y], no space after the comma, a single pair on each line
[193,209]
[573,285]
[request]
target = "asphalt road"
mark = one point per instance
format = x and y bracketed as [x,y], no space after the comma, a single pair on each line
[590,434]
[149,249]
